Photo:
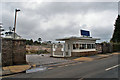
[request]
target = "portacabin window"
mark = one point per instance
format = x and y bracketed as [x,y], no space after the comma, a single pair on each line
[77,46]
[88,46]
[74,46]
[83,46]
[93,46]
[80,46]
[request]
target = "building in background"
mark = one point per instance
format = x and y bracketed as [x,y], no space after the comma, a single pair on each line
[11,35]
[75,46]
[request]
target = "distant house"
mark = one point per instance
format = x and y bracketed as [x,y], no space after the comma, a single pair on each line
[74,46]
[11,35]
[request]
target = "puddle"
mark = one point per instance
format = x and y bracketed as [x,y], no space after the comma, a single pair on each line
[41,68]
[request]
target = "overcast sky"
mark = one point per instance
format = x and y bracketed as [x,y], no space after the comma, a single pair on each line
[52,20]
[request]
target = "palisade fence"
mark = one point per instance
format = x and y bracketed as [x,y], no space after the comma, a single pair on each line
[109,47]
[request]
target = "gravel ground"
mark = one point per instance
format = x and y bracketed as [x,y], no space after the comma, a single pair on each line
[41,60]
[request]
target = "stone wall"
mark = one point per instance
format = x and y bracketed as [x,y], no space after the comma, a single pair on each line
[19,52]
[7,52]
[13,51]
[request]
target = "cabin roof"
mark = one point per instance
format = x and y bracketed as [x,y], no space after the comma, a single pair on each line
[77,38]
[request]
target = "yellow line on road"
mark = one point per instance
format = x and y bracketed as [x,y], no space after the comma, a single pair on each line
[7,76]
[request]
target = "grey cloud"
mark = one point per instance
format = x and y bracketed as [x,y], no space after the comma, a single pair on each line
[30,19]
[102,32]
[57,32]
[78,7]
[119,7]
[51,8]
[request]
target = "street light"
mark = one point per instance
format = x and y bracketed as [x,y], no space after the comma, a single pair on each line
[1,29]
[16,10]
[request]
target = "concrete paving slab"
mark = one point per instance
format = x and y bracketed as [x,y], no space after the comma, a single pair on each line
[18,68]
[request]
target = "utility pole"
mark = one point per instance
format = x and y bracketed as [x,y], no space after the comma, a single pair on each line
[16,10]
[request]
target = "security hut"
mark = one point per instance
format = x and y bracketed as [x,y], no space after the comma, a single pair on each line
[75,46]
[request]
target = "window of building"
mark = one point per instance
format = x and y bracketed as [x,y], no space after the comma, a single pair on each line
[83,46]
[93,46]
[74,46]
[77,46]
[88,46]
[80,46]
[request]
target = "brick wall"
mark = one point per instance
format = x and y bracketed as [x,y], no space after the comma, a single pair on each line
[13,51]
[78,54]
[6,52]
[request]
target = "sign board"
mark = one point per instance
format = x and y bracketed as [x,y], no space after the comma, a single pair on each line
[85,33]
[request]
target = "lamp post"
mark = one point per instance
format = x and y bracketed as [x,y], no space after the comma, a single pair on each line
[16,10]
[1,29]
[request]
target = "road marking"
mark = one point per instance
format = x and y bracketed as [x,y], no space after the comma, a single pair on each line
[111,67]
[6,76]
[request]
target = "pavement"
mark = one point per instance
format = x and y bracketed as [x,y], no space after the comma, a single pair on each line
[49,62]
[8,70]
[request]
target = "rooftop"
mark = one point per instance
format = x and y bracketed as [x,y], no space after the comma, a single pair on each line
[77,38]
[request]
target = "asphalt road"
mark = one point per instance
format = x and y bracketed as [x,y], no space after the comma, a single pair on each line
[102,68]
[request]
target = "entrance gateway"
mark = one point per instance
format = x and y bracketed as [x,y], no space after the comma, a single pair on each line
[74,46]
